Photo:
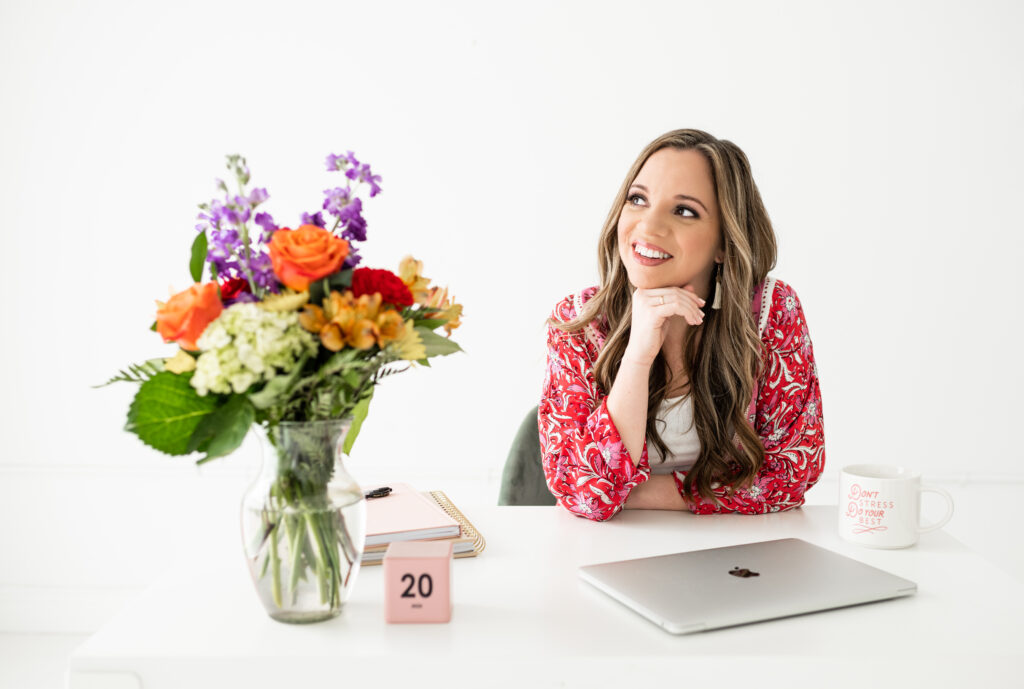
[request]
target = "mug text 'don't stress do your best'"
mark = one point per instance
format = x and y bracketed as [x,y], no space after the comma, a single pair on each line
[880,505]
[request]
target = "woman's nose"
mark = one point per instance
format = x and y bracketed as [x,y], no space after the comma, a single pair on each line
[652,224]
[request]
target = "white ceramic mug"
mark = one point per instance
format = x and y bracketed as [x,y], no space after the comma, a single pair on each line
[880,505]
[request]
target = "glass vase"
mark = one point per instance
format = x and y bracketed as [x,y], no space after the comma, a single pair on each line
[304,521]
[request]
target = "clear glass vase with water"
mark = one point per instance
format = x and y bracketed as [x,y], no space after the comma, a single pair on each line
[304,521]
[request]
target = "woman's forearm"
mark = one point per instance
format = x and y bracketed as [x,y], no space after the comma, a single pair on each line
[657,493]
[627,404]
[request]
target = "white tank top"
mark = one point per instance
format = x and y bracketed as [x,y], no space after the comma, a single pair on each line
[674,422]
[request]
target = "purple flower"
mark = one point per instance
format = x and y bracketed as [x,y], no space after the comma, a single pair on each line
[352,216]
[221,242]
[236,217]
[355,230]
[223,220]
[336,162]
[242,298]
[353,258]
[315,219]
[365,175]
[263,271]
[257,196]
[337,199]
[267,223]
[213,215]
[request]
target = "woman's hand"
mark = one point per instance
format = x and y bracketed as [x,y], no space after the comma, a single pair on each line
[652,309]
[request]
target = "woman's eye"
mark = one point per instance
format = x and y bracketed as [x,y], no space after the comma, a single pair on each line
[631,197]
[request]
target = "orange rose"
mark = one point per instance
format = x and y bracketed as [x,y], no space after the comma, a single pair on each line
[185,315]
[306,254]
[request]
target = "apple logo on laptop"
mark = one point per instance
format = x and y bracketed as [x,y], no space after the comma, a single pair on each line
[743,573]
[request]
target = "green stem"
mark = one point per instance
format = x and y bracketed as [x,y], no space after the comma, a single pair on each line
[328,539]
[345,541]
[296,558]
[289,530]
[263,569]
[256,289]
[245,244]
[310,556]
[321,555]
[275,563]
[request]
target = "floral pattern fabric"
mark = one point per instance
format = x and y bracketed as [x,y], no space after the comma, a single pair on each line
[589,470]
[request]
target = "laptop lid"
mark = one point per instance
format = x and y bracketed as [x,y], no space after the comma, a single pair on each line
[721,587]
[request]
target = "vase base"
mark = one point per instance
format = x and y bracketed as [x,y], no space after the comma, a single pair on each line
[295,617]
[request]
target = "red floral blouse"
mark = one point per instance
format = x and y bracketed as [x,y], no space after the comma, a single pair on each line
[589,470]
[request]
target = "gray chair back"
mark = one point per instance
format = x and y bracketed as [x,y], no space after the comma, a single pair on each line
[522,480]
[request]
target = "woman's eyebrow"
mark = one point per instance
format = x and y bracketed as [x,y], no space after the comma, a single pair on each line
[678,196]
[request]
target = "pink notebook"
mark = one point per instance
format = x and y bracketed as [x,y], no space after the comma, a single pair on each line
[407,515]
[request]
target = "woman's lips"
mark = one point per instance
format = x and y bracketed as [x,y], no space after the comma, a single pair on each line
[644,261]
[650,247]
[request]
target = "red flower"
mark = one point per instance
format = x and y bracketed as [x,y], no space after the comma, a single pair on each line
[232,287]
[392,289]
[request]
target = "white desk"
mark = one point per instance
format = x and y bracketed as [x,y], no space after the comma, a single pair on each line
[522,617]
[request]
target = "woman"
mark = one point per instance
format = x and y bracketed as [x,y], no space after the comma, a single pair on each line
[686,379]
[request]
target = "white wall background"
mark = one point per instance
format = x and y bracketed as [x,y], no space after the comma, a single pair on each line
[885,137]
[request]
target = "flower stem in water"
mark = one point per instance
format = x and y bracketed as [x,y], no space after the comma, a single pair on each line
[275,563]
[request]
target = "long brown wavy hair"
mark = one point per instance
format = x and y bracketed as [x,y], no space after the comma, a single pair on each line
[726,360]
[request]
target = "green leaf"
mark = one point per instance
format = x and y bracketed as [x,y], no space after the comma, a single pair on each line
[424,362]
[166,411]
[429,323]
[198,257]
[358,416]
[153,327]
[221,432]
[338,361]
[437,345]
[278,386]
[137,373]
[319,289]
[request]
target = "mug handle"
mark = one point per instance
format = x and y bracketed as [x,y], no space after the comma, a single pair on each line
[949,514]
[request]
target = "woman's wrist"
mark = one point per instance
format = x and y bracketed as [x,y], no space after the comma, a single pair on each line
[686,498]
[633,359]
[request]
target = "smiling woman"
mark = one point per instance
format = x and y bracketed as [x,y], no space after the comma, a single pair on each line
[640,358]
[659,227]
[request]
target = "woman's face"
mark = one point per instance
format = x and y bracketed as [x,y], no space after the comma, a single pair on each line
[671,209]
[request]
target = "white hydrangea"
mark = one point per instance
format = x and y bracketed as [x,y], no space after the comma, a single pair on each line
[247,344]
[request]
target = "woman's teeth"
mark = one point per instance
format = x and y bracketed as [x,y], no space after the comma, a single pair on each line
[643,251]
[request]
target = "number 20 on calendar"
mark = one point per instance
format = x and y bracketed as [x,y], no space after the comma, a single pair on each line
[417,581]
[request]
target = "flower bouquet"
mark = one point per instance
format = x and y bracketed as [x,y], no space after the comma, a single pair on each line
[289,338]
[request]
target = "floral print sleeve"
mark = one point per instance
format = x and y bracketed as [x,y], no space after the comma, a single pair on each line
[586,465]
[788,418]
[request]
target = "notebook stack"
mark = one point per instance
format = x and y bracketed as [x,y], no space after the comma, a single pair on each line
[407,514]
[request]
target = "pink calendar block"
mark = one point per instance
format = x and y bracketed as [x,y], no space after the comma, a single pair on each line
[417,581]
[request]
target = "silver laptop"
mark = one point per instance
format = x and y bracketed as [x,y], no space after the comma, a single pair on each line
[721,587]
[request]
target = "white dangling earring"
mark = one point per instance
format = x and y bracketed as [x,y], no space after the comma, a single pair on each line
[717,303]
